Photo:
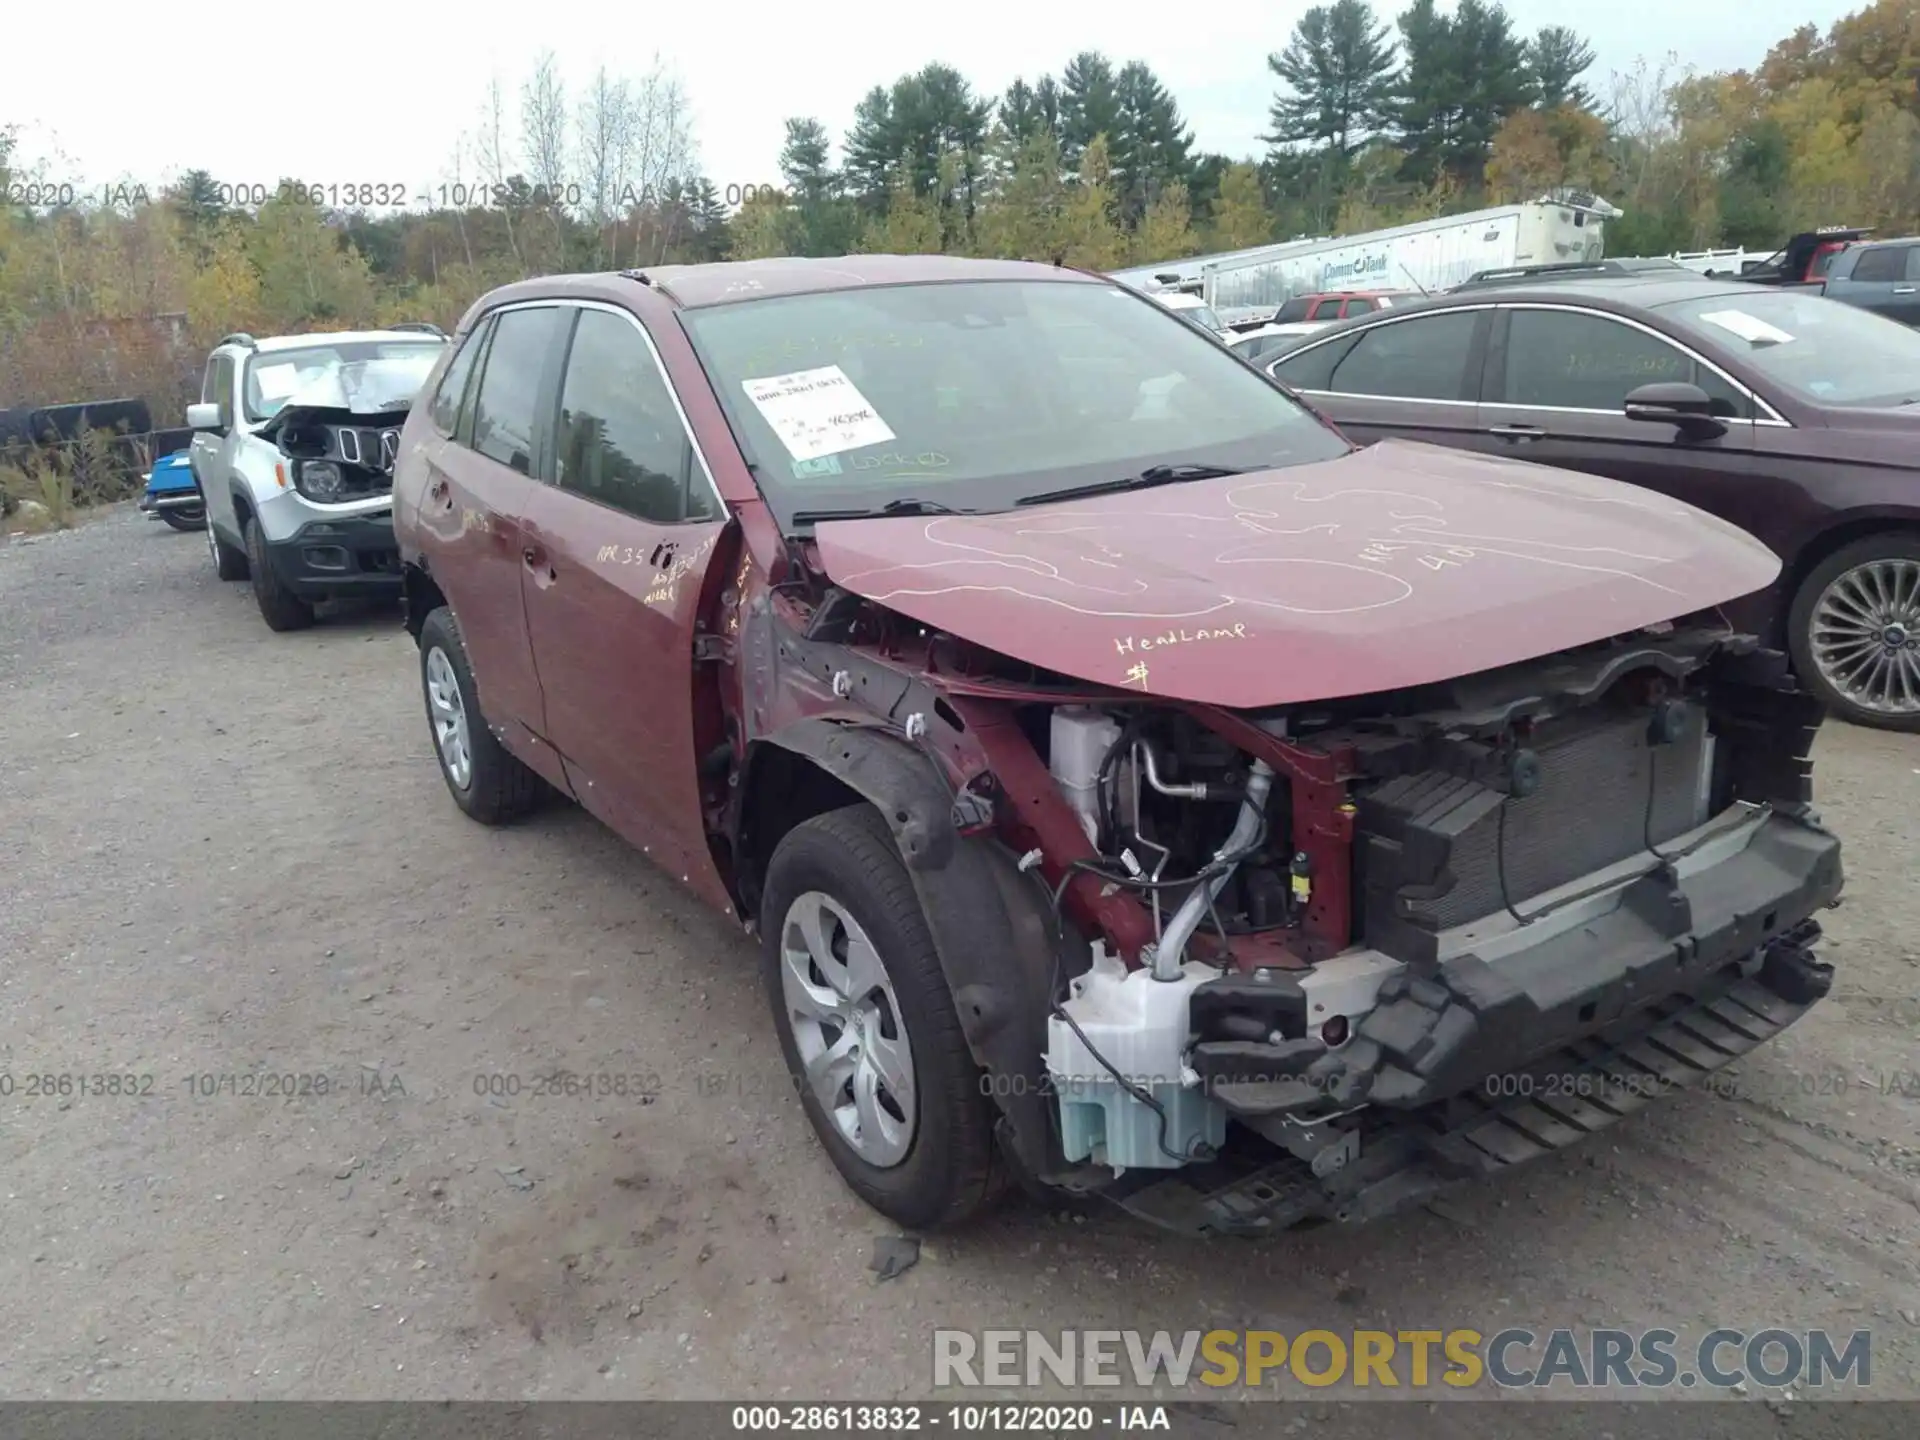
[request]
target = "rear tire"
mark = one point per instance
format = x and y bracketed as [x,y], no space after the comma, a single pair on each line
[843,866]
[186,519]
[1867,589]
[488,781]
[279,607]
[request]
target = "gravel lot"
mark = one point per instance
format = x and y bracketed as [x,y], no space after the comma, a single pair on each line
[225,852]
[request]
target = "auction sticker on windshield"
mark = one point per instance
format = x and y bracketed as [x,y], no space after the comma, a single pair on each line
[1750,328]
[817,412]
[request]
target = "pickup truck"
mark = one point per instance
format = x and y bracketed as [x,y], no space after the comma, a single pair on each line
[1882,276]
[1806,258]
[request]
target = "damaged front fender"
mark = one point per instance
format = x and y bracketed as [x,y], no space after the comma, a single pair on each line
[989,923]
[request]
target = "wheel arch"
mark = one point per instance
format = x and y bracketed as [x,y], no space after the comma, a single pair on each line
[421,595]
[1837,536]
[989,924]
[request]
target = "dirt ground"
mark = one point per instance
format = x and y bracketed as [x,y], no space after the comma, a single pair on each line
[225,852]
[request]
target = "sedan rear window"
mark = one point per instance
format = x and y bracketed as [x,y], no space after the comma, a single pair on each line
[973,394]
[1823,351]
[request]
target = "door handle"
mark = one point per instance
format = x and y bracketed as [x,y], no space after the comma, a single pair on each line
[1518,432]
[535,559]
[1903,289]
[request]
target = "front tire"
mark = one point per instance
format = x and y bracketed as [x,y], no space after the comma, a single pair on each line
[279,607]
[228,563]
[486,780]
[1854,631]
[868,1026]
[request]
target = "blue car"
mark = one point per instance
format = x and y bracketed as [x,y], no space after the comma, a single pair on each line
[172,495]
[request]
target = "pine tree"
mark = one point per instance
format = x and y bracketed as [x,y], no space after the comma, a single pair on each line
[1153,148]
[1556,59]
[1089,105]
[1338,68]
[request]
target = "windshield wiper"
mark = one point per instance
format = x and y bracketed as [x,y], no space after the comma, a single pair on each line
[911,505]
[1152,475]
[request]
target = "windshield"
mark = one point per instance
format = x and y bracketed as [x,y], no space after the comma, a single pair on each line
[273,377]
[972,395]
[1821,350]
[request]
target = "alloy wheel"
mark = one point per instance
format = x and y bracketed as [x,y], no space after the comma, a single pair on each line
[447,711]
[1864,635]
[855,1055]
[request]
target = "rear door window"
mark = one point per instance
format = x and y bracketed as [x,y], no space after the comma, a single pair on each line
[1882,265]
[1419,359]
[507,405]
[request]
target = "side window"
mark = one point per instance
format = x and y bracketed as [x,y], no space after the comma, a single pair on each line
[1421,359]
[509,396]
[1311,369]
[1883,264]
[1357,307]
[1913,262]
[1293,311]
[445,410]
[621,440]
[210,383]
[1575,361]
[223,370]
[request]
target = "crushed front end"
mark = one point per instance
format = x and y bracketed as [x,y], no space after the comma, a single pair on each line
[1319,962]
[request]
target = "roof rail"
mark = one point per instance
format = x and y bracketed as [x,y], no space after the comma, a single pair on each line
[239,337]
[1571,270]
[638,275]
[421,326]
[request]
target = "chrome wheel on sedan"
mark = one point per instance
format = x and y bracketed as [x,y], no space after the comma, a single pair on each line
[853,1047]
[1864,636]
[448,712]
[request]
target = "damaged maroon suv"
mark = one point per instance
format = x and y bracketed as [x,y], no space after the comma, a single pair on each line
[1135,789]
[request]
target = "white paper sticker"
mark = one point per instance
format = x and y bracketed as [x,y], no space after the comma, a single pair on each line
[1749,328]
[276,381]
[817,412]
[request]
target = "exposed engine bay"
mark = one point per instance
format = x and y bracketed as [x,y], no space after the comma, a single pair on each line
[1492,823]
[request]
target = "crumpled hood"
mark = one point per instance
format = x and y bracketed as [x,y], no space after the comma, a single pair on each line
[1402,564]
[377,392]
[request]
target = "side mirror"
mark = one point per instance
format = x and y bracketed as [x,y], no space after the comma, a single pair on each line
[1677,403]
[204,415]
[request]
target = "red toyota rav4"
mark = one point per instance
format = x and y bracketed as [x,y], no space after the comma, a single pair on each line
[1135,789]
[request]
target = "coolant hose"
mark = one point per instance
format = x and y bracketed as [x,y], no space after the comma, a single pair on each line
[1171,952]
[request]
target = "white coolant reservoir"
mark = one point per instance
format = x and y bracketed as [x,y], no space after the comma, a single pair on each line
[1076,748]
[1139,1025]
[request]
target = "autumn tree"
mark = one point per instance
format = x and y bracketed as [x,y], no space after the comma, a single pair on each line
[1241,218]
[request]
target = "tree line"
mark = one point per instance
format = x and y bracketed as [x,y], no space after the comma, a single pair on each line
[1376,119]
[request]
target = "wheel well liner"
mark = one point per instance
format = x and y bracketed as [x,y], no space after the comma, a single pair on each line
[420,595]
[989,923]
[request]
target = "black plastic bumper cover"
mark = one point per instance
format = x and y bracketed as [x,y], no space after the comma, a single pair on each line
[1653,995]
[355,555]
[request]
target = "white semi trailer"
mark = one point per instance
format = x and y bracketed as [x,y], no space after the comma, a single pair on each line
[1430,255]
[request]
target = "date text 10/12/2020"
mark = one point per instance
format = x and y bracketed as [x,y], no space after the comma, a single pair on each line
[375,194]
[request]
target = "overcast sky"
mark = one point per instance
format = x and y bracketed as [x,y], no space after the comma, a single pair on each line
[352,94]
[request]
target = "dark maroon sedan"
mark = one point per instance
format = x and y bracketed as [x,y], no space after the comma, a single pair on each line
[1792,416]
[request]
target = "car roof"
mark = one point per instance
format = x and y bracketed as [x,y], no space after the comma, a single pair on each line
[729,282]
[271,343]
[1633,290]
